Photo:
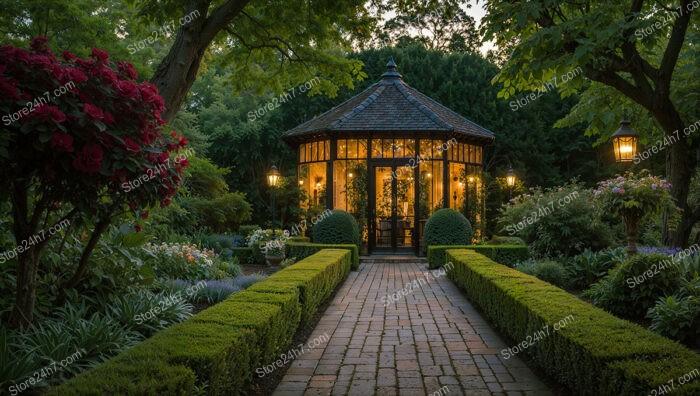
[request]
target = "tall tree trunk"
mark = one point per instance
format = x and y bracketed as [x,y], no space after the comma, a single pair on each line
[25,293]
[178,70]
[25,228]
[680,163]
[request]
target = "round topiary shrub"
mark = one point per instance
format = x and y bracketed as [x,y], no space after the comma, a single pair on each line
[337,228]
[447,227]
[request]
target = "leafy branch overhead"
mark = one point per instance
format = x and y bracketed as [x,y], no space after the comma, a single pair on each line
[635,47]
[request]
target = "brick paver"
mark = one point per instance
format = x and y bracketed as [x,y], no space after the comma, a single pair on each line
[429,339]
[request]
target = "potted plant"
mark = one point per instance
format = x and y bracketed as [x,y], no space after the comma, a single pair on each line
[633,197]
[274,252]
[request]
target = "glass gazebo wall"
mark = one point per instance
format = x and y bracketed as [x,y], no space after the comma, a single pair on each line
[466,184]
[313,159]
[461,188]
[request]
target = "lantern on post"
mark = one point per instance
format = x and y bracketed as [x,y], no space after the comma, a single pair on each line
[510,181]
[625,142]
[273,178]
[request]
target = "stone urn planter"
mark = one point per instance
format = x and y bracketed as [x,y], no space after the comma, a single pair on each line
[274,260]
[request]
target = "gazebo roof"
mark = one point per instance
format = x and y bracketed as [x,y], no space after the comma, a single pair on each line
[390,105]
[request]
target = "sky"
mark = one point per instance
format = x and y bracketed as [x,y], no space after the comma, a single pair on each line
[476,11]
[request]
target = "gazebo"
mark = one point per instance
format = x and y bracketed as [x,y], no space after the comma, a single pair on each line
[391,156]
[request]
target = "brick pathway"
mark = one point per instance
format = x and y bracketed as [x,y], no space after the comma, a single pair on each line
[429,339]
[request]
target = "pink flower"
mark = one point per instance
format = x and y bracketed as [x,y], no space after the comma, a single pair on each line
[93,111]
[131,145]
[90,159]
[99,54]
[622,191]
[62,142]
[51,112]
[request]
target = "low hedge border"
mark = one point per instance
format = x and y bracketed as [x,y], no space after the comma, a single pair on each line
[245,255]
[218,350]
[302,250]
[503,254]
[597,354]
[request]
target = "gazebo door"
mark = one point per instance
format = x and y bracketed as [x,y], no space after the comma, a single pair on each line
[392,218]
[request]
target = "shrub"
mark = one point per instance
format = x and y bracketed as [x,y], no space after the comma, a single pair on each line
[595,354]
[186,261]
[128,310]
[221,347]
[303,250]
[447,227]
[338,228]
[557,222]
[547,270]
[246,230]
[220,214]
[677,318]
[589,267]
[505,240]
[635,285]
[221,242]
[90,152]
[244,255]
[508,255]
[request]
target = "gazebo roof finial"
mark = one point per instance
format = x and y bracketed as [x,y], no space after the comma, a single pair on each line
[391,70]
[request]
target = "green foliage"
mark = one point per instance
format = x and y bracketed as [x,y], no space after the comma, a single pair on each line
[186,261]
[205,179]
[556,222]
[246,230]
[676,318]
[447,227]
[287,262]
[94,337]
[303,250]
[128,311]
[634,286]
[547,270]
[337,228]
[203,204]
[224,213]
[504,240]
[589,267]
[595,353]
[222,346]
[508,255]
[244,255]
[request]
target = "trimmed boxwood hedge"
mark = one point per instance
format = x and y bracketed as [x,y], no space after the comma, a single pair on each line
[299,239]
[221,346]
[244,254]
[303,250]
[596,354]
[503,254]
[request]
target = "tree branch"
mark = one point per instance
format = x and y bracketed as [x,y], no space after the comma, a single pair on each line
[618,83]
[673,50]
[218,19]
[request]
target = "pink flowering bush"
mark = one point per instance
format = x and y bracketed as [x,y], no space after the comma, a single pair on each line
[634,196]
[641,194]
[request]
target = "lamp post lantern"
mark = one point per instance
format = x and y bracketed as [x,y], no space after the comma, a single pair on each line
[625,142]
[273,178]
[510,181]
